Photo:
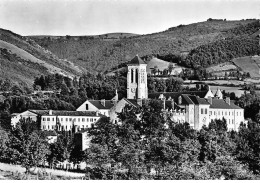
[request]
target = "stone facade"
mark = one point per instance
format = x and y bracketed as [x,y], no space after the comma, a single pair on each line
[137,79]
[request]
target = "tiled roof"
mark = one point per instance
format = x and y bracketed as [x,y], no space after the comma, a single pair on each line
[136,61]
[197,100]
[186,100]
[175,95]
[221,104]
[98,104]
[132,101]
[65,113]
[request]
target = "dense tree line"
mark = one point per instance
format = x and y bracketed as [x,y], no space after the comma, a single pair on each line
[146,149]
[222,51]
[145,146]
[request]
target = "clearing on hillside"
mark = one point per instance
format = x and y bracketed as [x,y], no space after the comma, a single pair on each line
[220,68]
[247,64]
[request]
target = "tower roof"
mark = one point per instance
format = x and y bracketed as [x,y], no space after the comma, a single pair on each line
[219,94]
[136,61]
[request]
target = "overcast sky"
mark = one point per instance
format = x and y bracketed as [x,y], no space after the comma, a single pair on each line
[91,17]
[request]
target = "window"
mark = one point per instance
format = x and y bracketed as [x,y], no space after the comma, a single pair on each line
[132,75]
[226,113]
[91,119]
[61,119]
[66,119]
[229,121]
[53,119]
[87,119]
[48,127]
[92,125]
[222,113]
[95,119]
[214,112]
[136,75]
[232,121]
[229,113]
[48,119]
[78,119]
[82,126]
[201,111]
[205,111]
[70,119]
[83,119]
[43,119]
[86,106]
[210,112]
[218,112]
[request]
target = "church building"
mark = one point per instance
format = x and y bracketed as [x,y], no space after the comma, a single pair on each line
[197,108]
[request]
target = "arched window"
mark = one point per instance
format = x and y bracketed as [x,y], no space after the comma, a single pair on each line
[136,75]
[132,75]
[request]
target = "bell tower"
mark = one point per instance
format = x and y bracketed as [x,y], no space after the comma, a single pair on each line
[137,79]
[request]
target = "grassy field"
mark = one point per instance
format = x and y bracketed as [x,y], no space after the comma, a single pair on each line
[8,171]
[247,64]
[221,67]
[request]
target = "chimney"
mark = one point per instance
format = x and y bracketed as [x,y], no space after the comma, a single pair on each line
[172,103]
[228,100]
[50,112]
[103,102]
[139,102]
[210,100]
[179,100]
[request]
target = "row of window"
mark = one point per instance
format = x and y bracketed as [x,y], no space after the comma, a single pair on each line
[204,111]
[52,127]
[225,113]
[70,119]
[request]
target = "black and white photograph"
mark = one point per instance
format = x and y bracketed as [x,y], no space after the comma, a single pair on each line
[129,90]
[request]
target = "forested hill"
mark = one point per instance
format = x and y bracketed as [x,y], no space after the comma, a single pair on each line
[100,53]
[21,60]
[241,41]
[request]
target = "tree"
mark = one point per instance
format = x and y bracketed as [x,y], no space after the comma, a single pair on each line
[4,140]
[76,155]
[170,68]
[28,146]
[57,152]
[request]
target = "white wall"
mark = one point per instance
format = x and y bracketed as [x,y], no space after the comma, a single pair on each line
[82,122]
[91,107]
[24,115]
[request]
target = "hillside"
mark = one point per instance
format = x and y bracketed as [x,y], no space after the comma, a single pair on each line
[98,54]
[22,60]
[241,41]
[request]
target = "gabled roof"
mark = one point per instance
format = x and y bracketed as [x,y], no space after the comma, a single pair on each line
[65,113]
[186,100]
[198,101]
[132,102]
[221,104]
[108,104]
[136,61]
